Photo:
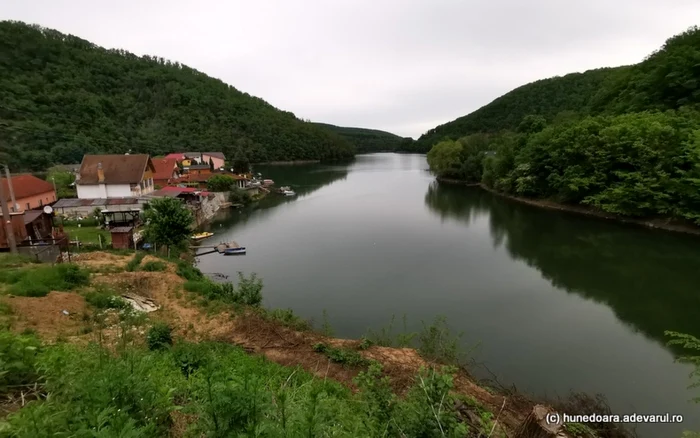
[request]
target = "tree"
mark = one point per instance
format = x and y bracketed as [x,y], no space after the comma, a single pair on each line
[221,183]
[444,159]
[211,164]
[168,222]
[241,164]
[63,180]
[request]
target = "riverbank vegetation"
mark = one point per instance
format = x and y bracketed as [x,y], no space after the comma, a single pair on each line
[639,158]
[63,97]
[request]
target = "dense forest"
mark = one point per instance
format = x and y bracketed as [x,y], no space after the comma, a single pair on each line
[62,96]
[634,150]
[667,79]
[371,140]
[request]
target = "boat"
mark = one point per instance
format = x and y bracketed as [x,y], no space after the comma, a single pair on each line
[200,236]
[289,193]
[234,251]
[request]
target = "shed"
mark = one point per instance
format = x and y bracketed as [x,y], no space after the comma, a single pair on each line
[122,237]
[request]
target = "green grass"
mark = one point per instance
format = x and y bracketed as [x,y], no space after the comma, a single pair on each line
[343,356]
[88,234]
[102,297]
[135,261]
[8,260]
[38,281]
[222,390]
[153,266]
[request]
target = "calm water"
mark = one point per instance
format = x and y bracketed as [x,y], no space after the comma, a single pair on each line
[559,302]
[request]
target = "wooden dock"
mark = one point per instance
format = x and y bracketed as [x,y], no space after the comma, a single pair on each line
[220,248]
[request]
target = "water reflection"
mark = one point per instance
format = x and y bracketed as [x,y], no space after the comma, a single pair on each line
[648,278]
[304,179]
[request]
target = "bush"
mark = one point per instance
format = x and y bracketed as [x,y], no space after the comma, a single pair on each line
[188,272]
[102,298]
[135,261]
[153,265]
[287,318]
[436,343]
[38,282]
[248,292]
[18,359]
[159,336]
[341,355]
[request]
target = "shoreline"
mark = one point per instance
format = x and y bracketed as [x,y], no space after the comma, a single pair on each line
[657,224]
[287,163]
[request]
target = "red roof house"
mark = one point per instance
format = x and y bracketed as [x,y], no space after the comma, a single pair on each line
[166,170]
[30,192]
[177,156]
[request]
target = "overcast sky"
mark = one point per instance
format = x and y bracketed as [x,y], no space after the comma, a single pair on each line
[403,66]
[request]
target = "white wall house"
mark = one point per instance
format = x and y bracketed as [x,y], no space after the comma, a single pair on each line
[115,176]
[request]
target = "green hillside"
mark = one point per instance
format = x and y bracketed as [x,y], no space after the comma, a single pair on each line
[62,96]
[667,79]
[370,140]
[632,148]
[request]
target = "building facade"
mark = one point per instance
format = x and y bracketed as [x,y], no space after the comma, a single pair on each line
[115,176]
[30,192]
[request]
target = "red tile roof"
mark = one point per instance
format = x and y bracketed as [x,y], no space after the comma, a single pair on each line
[118,169]
[177,156]
[25,186]
[164,168]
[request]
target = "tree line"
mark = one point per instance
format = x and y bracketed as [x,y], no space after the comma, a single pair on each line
[371,140]
[62,97]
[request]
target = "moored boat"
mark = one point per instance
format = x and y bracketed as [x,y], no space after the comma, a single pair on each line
[234,251]
[201,236]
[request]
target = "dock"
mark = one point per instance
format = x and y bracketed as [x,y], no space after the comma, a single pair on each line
[220,248]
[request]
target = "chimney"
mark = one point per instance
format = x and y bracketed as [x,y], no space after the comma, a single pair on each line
[100,173]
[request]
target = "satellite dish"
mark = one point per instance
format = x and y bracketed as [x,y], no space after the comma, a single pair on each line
[48,209]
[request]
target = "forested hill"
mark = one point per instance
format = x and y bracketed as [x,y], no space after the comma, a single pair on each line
[667,79]
[370,140]
[62,96]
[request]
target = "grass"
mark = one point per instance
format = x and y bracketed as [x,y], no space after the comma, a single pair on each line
[219,388]
[135,261]
[38,281]
[287,318]
[153,266]
[343,356]
[88,234]
[102,297]
[15,260]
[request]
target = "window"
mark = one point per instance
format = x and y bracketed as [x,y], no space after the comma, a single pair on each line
[28,207]
[41,202]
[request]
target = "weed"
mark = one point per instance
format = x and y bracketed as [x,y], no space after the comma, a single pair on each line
[341,355]
[248,292]
[365,344]
[287,318]
[153,266]
[386,338]
[5,308]
[104,298]
[436,342]
[18,355]
[135,261]
[15,260]
[326,328]
[188,272]
[38,282]
[159,336]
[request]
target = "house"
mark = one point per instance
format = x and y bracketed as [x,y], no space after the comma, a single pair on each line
[30,192]
[165,171]
[197,169]
[217,159]
[115,176]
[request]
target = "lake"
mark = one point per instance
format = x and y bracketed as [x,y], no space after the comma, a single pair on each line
[557,301]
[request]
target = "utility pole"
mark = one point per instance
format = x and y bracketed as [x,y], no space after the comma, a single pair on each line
[7,220]
[15,207]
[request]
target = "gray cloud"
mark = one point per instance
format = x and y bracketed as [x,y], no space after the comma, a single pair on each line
[399,65]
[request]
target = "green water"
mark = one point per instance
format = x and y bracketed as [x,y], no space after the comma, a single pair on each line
[559,302]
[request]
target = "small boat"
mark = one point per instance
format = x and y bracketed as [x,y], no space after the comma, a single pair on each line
[200,236]
[289,193]
[234,251]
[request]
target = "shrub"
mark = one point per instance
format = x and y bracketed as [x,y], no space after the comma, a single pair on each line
[38,282]
[135,261]
[248,292]
[18,359]
[341,355]
[438,344]
[188,272]
[287,318]
[159,336]
[153,265]
[103,298]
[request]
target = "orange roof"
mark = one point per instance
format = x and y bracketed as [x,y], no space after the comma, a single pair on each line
[164,167]
[25,186]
